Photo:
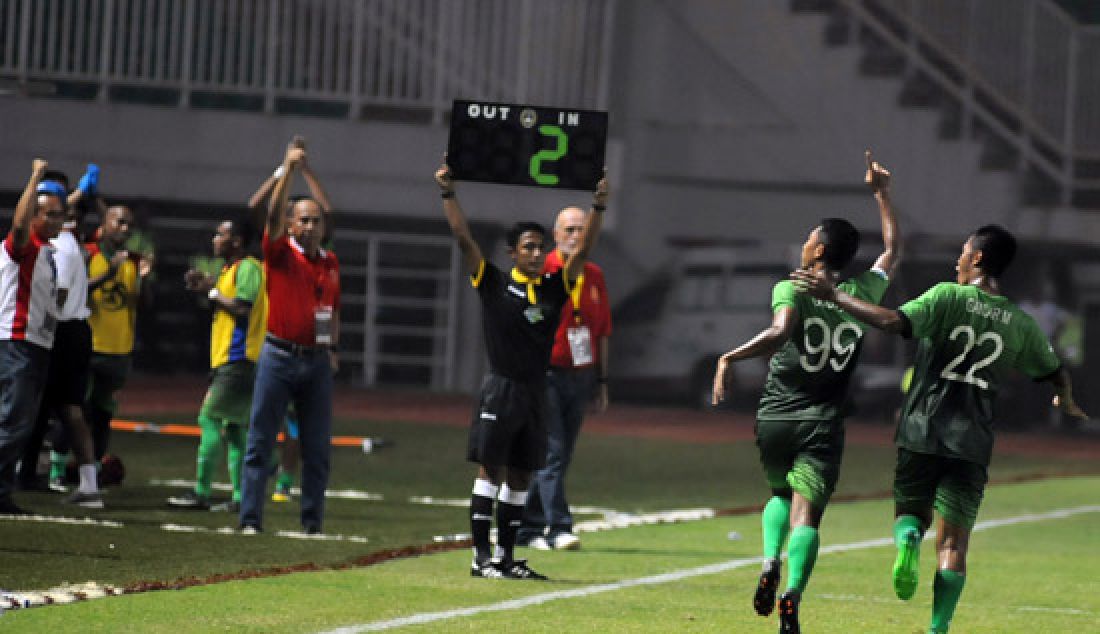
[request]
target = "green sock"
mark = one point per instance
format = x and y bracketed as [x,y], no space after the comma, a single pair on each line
[57,465]
[802,551]
[776,522]
[903,525]
[210,448]
[945,596]
[285,479]
[236,437]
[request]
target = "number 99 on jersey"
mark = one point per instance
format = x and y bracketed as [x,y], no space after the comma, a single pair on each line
[513,144]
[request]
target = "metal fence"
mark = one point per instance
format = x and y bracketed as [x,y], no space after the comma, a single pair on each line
[397,53]
[1024,68]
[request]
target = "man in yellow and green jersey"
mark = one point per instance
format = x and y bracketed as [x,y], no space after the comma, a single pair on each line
[236,334]
[969,337]
[115,289]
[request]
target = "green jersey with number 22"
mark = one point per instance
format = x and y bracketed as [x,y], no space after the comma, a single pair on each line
[808,377]
[968,342]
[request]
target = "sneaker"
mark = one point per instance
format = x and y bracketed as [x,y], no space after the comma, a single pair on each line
[190,500]
[57,485]
[788,613]
[311,529]
[280,495]
[907,566]
[764,599]
[538,542]
[518,569]
[86,499]
[485,569]
[250,529]
[565,541]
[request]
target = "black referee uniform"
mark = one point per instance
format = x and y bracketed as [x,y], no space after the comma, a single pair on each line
[519,317]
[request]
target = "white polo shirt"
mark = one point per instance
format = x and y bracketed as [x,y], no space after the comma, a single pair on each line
[72,276]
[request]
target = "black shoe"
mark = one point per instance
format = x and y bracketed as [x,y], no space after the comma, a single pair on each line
[485,569]
[190,500]
[311,529]
[764,599]
[232,506]
[788,613]
[518,569]
[8,507]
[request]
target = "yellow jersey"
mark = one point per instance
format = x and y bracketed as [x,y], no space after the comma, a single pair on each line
[113,304]
[238,338]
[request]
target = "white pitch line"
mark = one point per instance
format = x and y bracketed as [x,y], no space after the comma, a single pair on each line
[344,494]
[54,519]
[669,577]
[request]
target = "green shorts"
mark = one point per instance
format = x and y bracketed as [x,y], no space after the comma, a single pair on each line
[106,375]
[229,397]
[953,487]
[801,456]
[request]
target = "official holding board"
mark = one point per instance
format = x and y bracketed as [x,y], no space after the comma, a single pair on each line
[507,144]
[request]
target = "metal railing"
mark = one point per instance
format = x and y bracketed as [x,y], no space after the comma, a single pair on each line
[1023,68]
[391,53]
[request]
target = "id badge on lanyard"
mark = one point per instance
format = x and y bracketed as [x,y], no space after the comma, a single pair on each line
[580,344]
[322,326]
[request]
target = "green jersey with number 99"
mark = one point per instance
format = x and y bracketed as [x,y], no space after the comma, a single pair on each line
[808,377]
[968,342]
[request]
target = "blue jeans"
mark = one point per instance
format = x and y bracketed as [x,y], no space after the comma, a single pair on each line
[23,370]
[282,378]
[567,395]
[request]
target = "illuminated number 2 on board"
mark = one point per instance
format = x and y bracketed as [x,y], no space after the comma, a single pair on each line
[548,155]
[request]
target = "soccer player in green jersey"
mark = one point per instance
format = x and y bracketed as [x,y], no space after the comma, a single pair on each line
[799,430]
[969,337]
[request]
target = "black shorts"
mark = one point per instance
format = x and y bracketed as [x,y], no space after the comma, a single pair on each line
[67,382]
[509,426]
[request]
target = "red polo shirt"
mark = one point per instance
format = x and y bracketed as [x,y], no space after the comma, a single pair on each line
[296,287]
[594,309]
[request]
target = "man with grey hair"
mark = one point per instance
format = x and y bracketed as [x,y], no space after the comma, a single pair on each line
[578,372]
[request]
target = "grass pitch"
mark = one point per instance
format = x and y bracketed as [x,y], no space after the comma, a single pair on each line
[1035,576]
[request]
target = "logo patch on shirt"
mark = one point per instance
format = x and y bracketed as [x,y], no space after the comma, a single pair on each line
[533,314]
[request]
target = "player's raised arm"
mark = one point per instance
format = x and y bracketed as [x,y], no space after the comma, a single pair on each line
[878,179]
[574,265]
[765,343]
[820,286]
[25,208]
[471,252]
[276,214]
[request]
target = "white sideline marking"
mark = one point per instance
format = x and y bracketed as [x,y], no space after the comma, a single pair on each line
[344,494]
[225,530]
[54,519]
[669,577]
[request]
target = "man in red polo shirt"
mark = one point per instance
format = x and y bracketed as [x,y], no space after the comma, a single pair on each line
[299,355]
[578,372]
[28,288]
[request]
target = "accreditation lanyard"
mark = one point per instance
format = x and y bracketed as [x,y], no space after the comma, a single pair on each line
[578,335]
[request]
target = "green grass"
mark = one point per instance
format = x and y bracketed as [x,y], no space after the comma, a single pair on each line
[1016,571]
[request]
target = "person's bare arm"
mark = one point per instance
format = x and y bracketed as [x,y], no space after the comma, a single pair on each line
[574,264]
[1063,394]
[25,208]
[765,343]
[256,201]
[201,283]
[821,287]
[602,399]
[456,219]
[315,190]
[276,214]
[878,179]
